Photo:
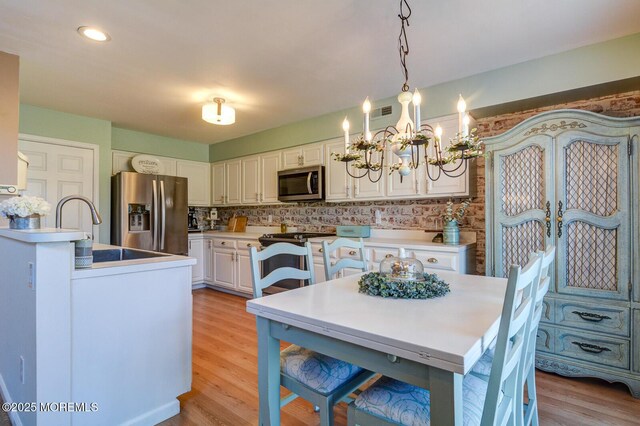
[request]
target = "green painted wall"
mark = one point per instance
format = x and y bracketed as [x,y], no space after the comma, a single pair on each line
[45,122]
[586,66]
[131,140]
[54,124]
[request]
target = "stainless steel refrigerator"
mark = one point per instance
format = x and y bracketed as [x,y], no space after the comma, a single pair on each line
[149,212]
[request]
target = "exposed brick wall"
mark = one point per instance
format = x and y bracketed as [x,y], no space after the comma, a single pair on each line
[424,214]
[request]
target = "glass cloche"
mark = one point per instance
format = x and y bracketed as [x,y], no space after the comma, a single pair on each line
[402,268]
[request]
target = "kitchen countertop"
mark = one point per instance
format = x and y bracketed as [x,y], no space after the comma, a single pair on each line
[43,235]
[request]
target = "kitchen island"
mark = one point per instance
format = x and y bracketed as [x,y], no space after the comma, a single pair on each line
[112,342]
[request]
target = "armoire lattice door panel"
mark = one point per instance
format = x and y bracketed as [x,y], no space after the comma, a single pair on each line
[519,241]
[592,260]
[593,235]
[522,180]
[521,197]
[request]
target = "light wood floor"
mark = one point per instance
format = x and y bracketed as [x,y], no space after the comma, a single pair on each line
[225,387]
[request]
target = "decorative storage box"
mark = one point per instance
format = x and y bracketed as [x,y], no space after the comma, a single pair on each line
[363,231]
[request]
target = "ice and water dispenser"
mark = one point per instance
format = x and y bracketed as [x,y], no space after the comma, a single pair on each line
[139,217]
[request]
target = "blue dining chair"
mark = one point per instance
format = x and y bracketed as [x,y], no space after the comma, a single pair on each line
[526,413]
[322,380]
[392,402]
[346,262]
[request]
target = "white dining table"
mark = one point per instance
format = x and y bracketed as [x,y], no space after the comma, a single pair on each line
[431,343]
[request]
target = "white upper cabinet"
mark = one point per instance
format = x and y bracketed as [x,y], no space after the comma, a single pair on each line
[199,178]
[365,188]
[463,181]
[309,155]
[269,166]
[218,186]
[121,162]
[250,180]
[233,181]
[337,181]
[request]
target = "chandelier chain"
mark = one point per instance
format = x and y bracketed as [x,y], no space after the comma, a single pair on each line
[403,42]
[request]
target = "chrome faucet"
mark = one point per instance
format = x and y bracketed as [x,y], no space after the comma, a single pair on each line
[95,216]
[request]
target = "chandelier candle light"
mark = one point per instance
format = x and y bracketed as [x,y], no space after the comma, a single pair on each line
[408,135]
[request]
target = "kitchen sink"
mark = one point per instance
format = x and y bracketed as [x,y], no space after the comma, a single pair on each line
[114,255]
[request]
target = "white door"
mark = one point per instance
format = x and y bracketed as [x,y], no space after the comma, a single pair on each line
[313,155]
[208,262]
[292,158]
[269,166]
[224,268]
[250,180]
[218,184]
[338,182]
[56,171]
[445,185]
[199,181]
[370,188]
[196,249]
[233,182]
[243,273]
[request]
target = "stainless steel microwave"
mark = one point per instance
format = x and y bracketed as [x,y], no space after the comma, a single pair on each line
[304,184]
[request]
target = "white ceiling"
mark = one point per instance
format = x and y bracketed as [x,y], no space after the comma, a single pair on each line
[276,61]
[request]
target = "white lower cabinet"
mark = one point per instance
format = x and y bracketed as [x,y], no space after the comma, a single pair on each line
[208,260]
[196,249]
[224,267]
[198,175]
[244,281]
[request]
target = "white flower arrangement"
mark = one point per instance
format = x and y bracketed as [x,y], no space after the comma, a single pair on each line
[24,206]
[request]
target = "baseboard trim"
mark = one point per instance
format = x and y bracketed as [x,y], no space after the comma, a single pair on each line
[13,415]
[156,415]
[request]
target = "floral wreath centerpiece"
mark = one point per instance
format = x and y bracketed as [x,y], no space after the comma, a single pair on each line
[24,212]
[402,278]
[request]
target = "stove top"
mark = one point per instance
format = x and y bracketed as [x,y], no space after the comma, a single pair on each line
[296,236]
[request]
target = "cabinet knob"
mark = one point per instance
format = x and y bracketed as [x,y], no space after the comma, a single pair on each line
[388,256]
[320,250]
[352,252]
[432,260]
[223,243]
[249,245]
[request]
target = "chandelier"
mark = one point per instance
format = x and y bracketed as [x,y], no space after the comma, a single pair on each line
[408,137]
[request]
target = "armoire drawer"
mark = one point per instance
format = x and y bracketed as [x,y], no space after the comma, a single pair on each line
[609,319]
[605,350]
[545,339]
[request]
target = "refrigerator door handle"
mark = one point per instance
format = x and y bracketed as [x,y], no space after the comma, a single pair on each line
[163,200]
[154,206]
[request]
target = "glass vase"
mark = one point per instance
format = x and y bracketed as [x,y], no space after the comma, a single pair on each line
[451,233]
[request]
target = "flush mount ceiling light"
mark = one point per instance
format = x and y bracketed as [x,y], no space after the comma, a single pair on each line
[93,33]
[216,113]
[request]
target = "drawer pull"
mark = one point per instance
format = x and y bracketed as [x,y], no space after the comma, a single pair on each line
[249,245]
[388,256]
[223,243]
[594,349]
[320,250]
[392,358]
[352,252]
[590,316]
[432,260]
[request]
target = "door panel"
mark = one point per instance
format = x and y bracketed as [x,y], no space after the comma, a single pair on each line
[233,182]
[174,214]
[269,166]
[593,236]
[522,200]
[224,268]
[218,184]
[337,183]
[56,171]
[250,180]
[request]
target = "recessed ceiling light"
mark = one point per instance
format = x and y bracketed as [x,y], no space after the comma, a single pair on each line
[93,34]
